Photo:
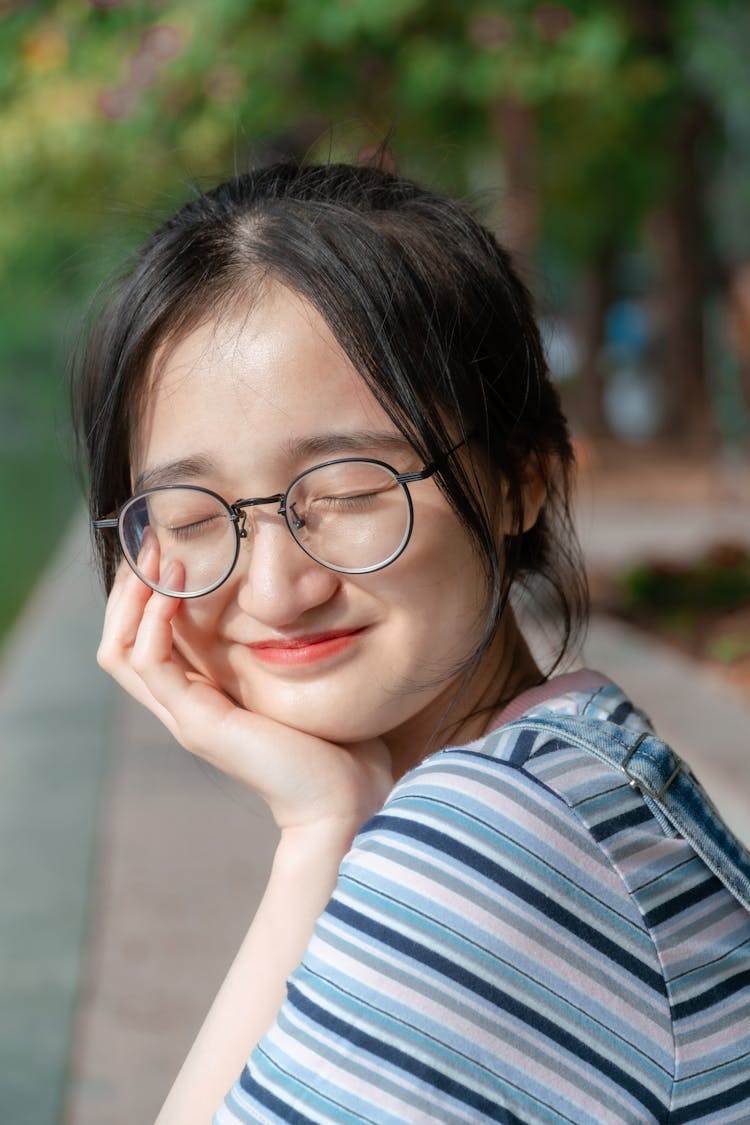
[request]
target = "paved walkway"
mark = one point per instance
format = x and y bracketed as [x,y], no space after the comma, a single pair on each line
[128,871]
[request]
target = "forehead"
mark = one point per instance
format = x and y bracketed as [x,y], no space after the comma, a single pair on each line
[253,384]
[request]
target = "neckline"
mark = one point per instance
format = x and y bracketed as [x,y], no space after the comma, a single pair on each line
[582,679]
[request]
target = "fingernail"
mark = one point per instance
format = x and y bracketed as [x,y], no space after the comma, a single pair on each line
[148,543]
[173,577]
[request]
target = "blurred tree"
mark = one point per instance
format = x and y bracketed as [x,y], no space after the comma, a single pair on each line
[679,222]
[715,56]
[583,113]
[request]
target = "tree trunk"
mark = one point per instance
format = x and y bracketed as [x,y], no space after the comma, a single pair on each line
[738,327]
[677,231]
[598,292]
[514,127]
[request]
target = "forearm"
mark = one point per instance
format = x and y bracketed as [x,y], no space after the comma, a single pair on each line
[302,877]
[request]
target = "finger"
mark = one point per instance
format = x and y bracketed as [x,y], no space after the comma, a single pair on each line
[172,681]
[153,655]
[123,617]
[129,594]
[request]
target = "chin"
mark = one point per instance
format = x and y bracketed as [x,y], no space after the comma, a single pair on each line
[329,722]
[327,728]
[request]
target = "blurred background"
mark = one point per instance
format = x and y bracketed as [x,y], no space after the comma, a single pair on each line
[608,144]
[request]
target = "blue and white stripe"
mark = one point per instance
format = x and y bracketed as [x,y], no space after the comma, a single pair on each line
[515,938]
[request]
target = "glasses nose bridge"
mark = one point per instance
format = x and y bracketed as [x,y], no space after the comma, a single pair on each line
[239,508]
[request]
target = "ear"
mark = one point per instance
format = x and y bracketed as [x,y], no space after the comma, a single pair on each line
[534,490]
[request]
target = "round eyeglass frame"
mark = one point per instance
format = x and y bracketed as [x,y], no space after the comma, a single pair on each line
[237,515]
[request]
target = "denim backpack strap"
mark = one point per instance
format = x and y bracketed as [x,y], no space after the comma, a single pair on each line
[667,783]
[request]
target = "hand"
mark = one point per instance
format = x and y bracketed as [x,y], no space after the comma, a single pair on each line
[305,780]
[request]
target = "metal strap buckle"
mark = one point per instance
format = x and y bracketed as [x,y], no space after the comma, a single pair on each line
[636,783]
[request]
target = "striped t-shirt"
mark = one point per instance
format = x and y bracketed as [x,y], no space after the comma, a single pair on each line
[515,938]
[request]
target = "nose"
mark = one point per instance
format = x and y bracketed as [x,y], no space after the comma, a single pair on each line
[276,581]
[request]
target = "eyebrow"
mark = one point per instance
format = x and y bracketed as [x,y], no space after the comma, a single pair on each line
[359,441]
[174,472]
[187,469]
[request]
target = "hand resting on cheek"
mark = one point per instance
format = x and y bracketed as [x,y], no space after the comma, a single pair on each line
[303,779]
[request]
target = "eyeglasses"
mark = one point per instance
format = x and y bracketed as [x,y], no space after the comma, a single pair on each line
[352,515]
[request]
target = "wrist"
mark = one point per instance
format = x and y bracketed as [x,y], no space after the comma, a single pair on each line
[315,846]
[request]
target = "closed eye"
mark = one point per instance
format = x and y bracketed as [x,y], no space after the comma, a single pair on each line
[357,502]
[194,529]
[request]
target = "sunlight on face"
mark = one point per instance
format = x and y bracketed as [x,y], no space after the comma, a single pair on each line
[241,406]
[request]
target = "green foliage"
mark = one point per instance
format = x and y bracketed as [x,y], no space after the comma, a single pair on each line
[110,110]
[37,483]
[717,582]
[730,647]
[105,105]
[714,53]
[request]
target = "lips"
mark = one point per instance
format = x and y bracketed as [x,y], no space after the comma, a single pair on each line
[306,649]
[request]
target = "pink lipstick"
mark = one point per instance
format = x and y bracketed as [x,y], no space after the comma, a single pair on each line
[306,649]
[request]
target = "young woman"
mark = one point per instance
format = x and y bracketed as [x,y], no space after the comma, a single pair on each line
[322,434]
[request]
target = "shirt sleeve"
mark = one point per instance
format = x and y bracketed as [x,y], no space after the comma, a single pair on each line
[480,961]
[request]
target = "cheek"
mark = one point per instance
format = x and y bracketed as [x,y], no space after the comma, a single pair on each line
[439,584]
[197,625]
[442,552]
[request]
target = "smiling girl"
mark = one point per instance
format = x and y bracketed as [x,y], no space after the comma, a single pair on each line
[325,455]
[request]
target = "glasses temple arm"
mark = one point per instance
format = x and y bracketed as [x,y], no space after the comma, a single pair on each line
[429,470]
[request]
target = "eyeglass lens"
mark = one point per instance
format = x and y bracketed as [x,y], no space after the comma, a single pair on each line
[352,516]
[193,531]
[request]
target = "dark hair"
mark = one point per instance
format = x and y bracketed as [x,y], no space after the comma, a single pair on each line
[430,311]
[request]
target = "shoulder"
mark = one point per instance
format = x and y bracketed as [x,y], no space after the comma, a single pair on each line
[479,951]
[529,819]
[505,820]
[538,773]
[485,910]
[557,764]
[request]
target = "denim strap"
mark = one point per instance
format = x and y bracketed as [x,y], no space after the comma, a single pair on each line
[651,766]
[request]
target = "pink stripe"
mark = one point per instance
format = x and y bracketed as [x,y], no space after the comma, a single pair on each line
[585,679]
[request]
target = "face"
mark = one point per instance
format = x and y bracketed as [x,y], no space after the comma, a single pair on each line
[241,406]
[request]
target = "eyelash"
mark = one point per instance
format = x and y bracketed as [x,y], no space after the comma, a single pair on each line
[360,500]
[190,530]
